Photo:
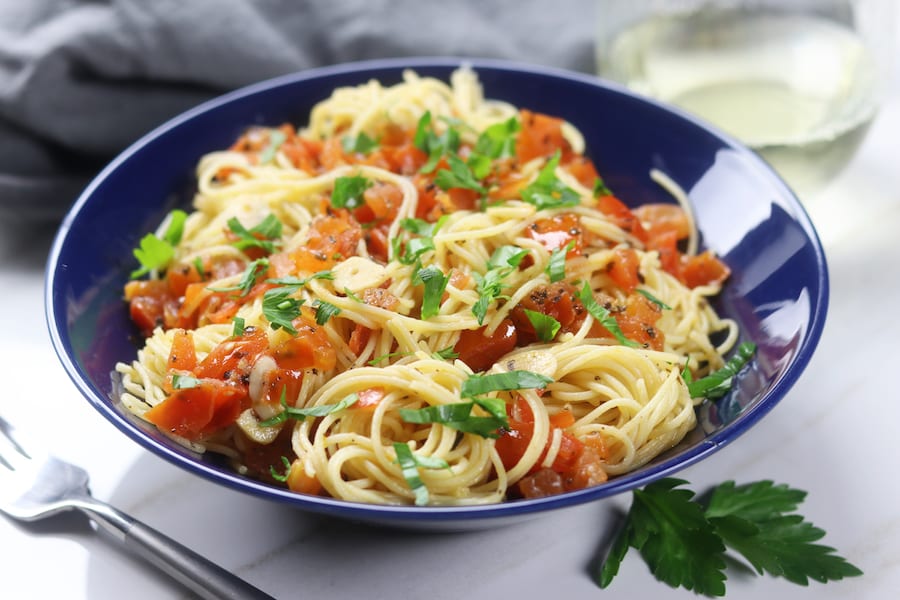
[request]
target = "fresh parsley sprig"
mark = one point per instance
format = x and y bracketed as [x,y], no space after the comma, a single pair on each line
[717,384]
[489,286]
[155,253]
[603,316]
[299,414]
[266,235]
[548,191]
[684,540]
[410,462]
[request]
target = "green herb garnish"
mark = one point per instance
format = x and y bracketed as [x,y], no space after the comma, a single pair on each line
[287,469]
[456,416]
[237,329]
[300,414]
[266,235]
[280,308]
[252,272]
[477,385]
[276,139]
[653,299]
[348,191]
[324,311]
[361,144]
[460,175]
[717,384]
[545,326]
[556,268]
[548,191]
[432,144]
[684,540]
[410,464]
[603,316]
[184,382]
[435,283]
[155,253]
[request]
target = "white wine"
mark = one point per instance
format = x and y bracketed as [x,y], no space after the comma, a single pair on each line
[800,89]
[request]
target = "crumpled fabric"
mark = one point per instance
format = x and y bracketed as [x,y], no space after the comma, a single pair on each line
[80,80]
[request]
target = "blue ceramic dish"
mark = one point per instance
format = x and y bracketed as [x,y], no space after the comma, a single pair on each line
[778,291]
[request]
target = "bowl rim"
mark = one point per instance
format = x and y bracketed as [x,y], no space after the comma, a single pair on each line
[406,514]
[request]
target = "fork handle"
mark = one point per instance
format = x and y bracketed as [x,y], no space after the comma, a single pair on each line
[203,577]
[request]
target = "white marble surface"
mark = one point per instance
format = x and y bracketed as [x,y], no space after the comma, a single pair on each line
[835,435]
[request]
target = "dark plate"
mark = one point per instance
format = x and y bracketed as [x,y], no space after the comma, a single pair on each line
[778,291]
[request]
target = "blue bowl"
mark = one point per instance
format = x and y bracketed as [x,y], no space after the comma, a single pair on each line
[778,290]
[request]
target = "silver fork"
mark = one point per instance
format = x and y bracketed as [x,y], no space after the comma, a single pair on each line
[35,486]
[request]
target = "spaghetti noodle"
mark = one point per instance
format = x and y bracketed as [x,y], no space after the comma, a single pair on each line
[422,297]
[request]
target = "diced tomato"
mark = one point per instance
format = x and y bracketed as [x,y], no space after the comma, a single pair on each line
[544,482]
[666,245]
[541,135]
[333,237]
[309,348]
[558,300]
[359,338]
[704,269]
[332,154]
[587,470]
[511,445]
[582,168]
[232,359]
[380,297]
[149,303]
[638,322]
[302,483]
[479,351]
[280,383]
[659,218]
[621,216]
[180,275]
[382,201]
[557,231]
[182,356]
[623,269]
[196,412]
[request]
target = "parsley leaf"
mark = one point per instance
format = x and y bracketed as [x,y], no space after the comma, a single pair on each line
[287,469]
[253,271]
[276,139]
[556,267]
[600,188]
[238,327]
[498,140]
[477,385]
[265,235]
[348,191]
[717,384]
[456,416]
[653,299]
[361,144]
[490,285]
[154,253]
[673,536]
[603,316]
[447,353]
[300,414]
[683,540]
[460,175]
[545,326]
[324,311]
[435,283]
[409,465]
[548,191]
[280,308]
[435,146]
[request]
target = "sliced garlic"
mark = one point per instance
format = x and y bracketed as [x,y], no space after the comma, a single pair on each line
[536,361]
[249,424]
[358,273]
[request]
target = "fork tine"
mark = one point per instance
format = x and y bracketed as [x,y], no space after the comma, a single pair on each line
[12,454]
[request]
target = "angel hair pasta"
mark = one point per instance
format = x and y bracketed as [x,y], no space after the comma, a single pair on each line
[423,296]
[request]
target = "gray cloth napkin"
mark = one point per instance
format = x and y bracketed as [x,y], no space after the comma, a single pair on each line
[82,79]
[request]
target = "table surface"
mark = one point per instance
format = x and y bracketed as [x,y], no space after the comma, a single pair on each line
[851,473]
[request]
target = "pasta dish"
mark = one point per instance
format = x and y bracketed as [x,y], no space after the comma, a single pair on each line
[422,296]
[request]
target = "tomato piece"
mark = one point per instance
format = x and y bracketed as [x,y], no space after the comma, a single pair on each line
[544,482]
[587,471]
[511,445]
[382,202]
[301,482]
[334,237]
[541,135]
[666,245]
[638,322]
[558,300]
[479,351]
[659,218]
[381,298]
[232,359]
[557,231]
[622,216]
[196,412]
[150,303]
[180,275]
[623,269]
[309,348]
[182,356]
[704,269]
[582,168]
[359,338]
[332,154]
[282,382]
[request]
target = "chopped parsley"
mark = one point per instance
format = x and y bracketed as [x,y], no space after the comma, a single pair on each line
[155,253]
[717,384]
[432,144]
[281,308]
[489,286]
[300,414]
[254,271]
[361,144]
[545,326]
[276,139]
[324,311]
[266,235]
[548,191]
[435,283]
[602,315]
[409,465]
[556,268]
[348,191]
